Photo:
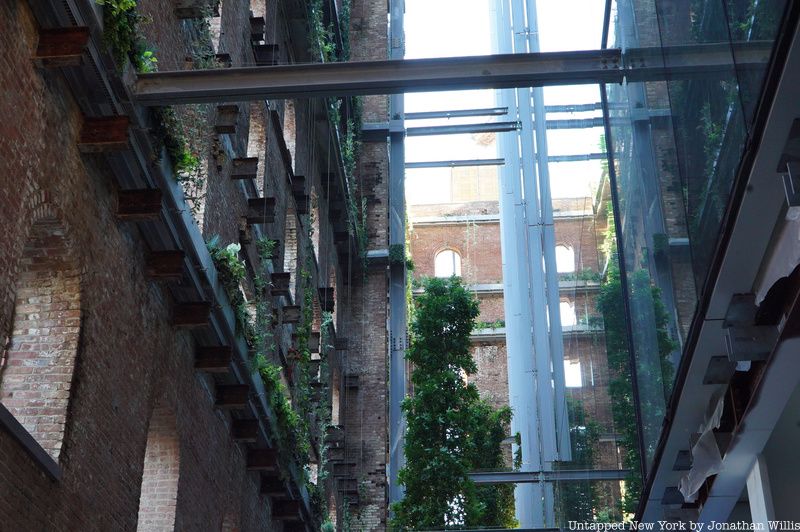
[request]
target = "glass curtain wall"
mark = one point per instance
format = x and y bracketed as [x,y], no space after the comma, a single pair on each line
[677,146]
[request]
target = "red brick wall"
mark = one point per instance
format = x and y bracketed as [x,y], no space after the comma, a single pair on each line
[364,411]
[129,355]
[478,244]
[36,370]
[579,234]
[492,308]
[161,473]
[492,375]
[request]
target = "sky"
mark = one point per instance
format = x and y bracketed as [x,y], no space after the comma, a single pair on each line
[447,28]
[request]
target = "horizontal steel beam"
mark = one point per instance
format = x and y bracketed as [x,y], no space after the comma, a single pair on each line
[457,113]
[563,475]
[460,129]
[576,123]
[576,157]
[378,131]
[452,73]
[574,108]
[455,163]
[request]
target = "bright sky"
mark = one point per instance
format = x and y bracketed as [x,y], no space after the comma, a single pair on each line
[446,28]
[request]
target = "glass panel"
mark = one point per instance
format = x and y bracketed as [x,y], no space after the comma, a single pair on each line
[677,146]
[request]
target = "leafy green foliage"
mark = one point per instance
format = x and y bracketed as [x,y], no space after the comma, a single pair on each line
[121,34]
[231,273]
[582,275]
[290,424]
[577,500]
[655,379]
[266,248]
[169,132]
[496,324]
[397,254]
[489,430]
[610,304]
[200,43]
[323,46]
[450,430]
[147,62]
[344,22]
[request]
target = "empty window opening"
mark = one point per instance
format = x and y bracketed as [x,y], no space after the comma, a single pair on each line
[160,474]
[568,317]
[290,130]
[335,399]
[447,263]
[290,250]
[572,374]
[215,28]
[257,141]
[36,369]
[565,259]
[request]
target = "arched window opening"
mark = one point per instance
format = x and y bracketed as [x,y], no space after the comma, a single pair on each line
[565,259]
[160,474]
[290,131]
[37,367]
[568,317]
[290,250]
[447,263]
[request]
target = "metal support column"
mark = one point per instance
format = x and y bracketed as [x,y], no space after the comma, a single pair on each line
[544,398]
[551,271]
[528,497]
[398,329]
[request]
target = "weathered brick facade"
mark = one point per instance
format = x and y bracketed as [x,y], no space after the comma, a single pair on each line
[93,370]
[365,368]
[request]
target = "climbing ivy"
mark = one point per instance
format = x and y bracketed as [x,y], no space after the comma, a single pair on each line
[323,46]
[121,34]
[451,431]
[231,272]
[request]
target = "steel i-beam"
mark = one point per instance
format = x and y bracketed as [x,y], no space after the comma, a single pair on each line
[452,73]
[559,475]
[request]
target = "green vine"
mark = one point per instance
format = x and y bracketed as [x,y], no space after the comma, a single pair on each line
[200,43]
[121,34]
[231,274]
[290,424]
[496,324]
[167,130]
[323,46]
[344,23]
[582,275]
[263,338]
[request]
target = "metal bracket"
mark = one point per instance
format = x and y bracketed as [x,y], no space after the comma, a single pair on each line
[753,342]
[741,311]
